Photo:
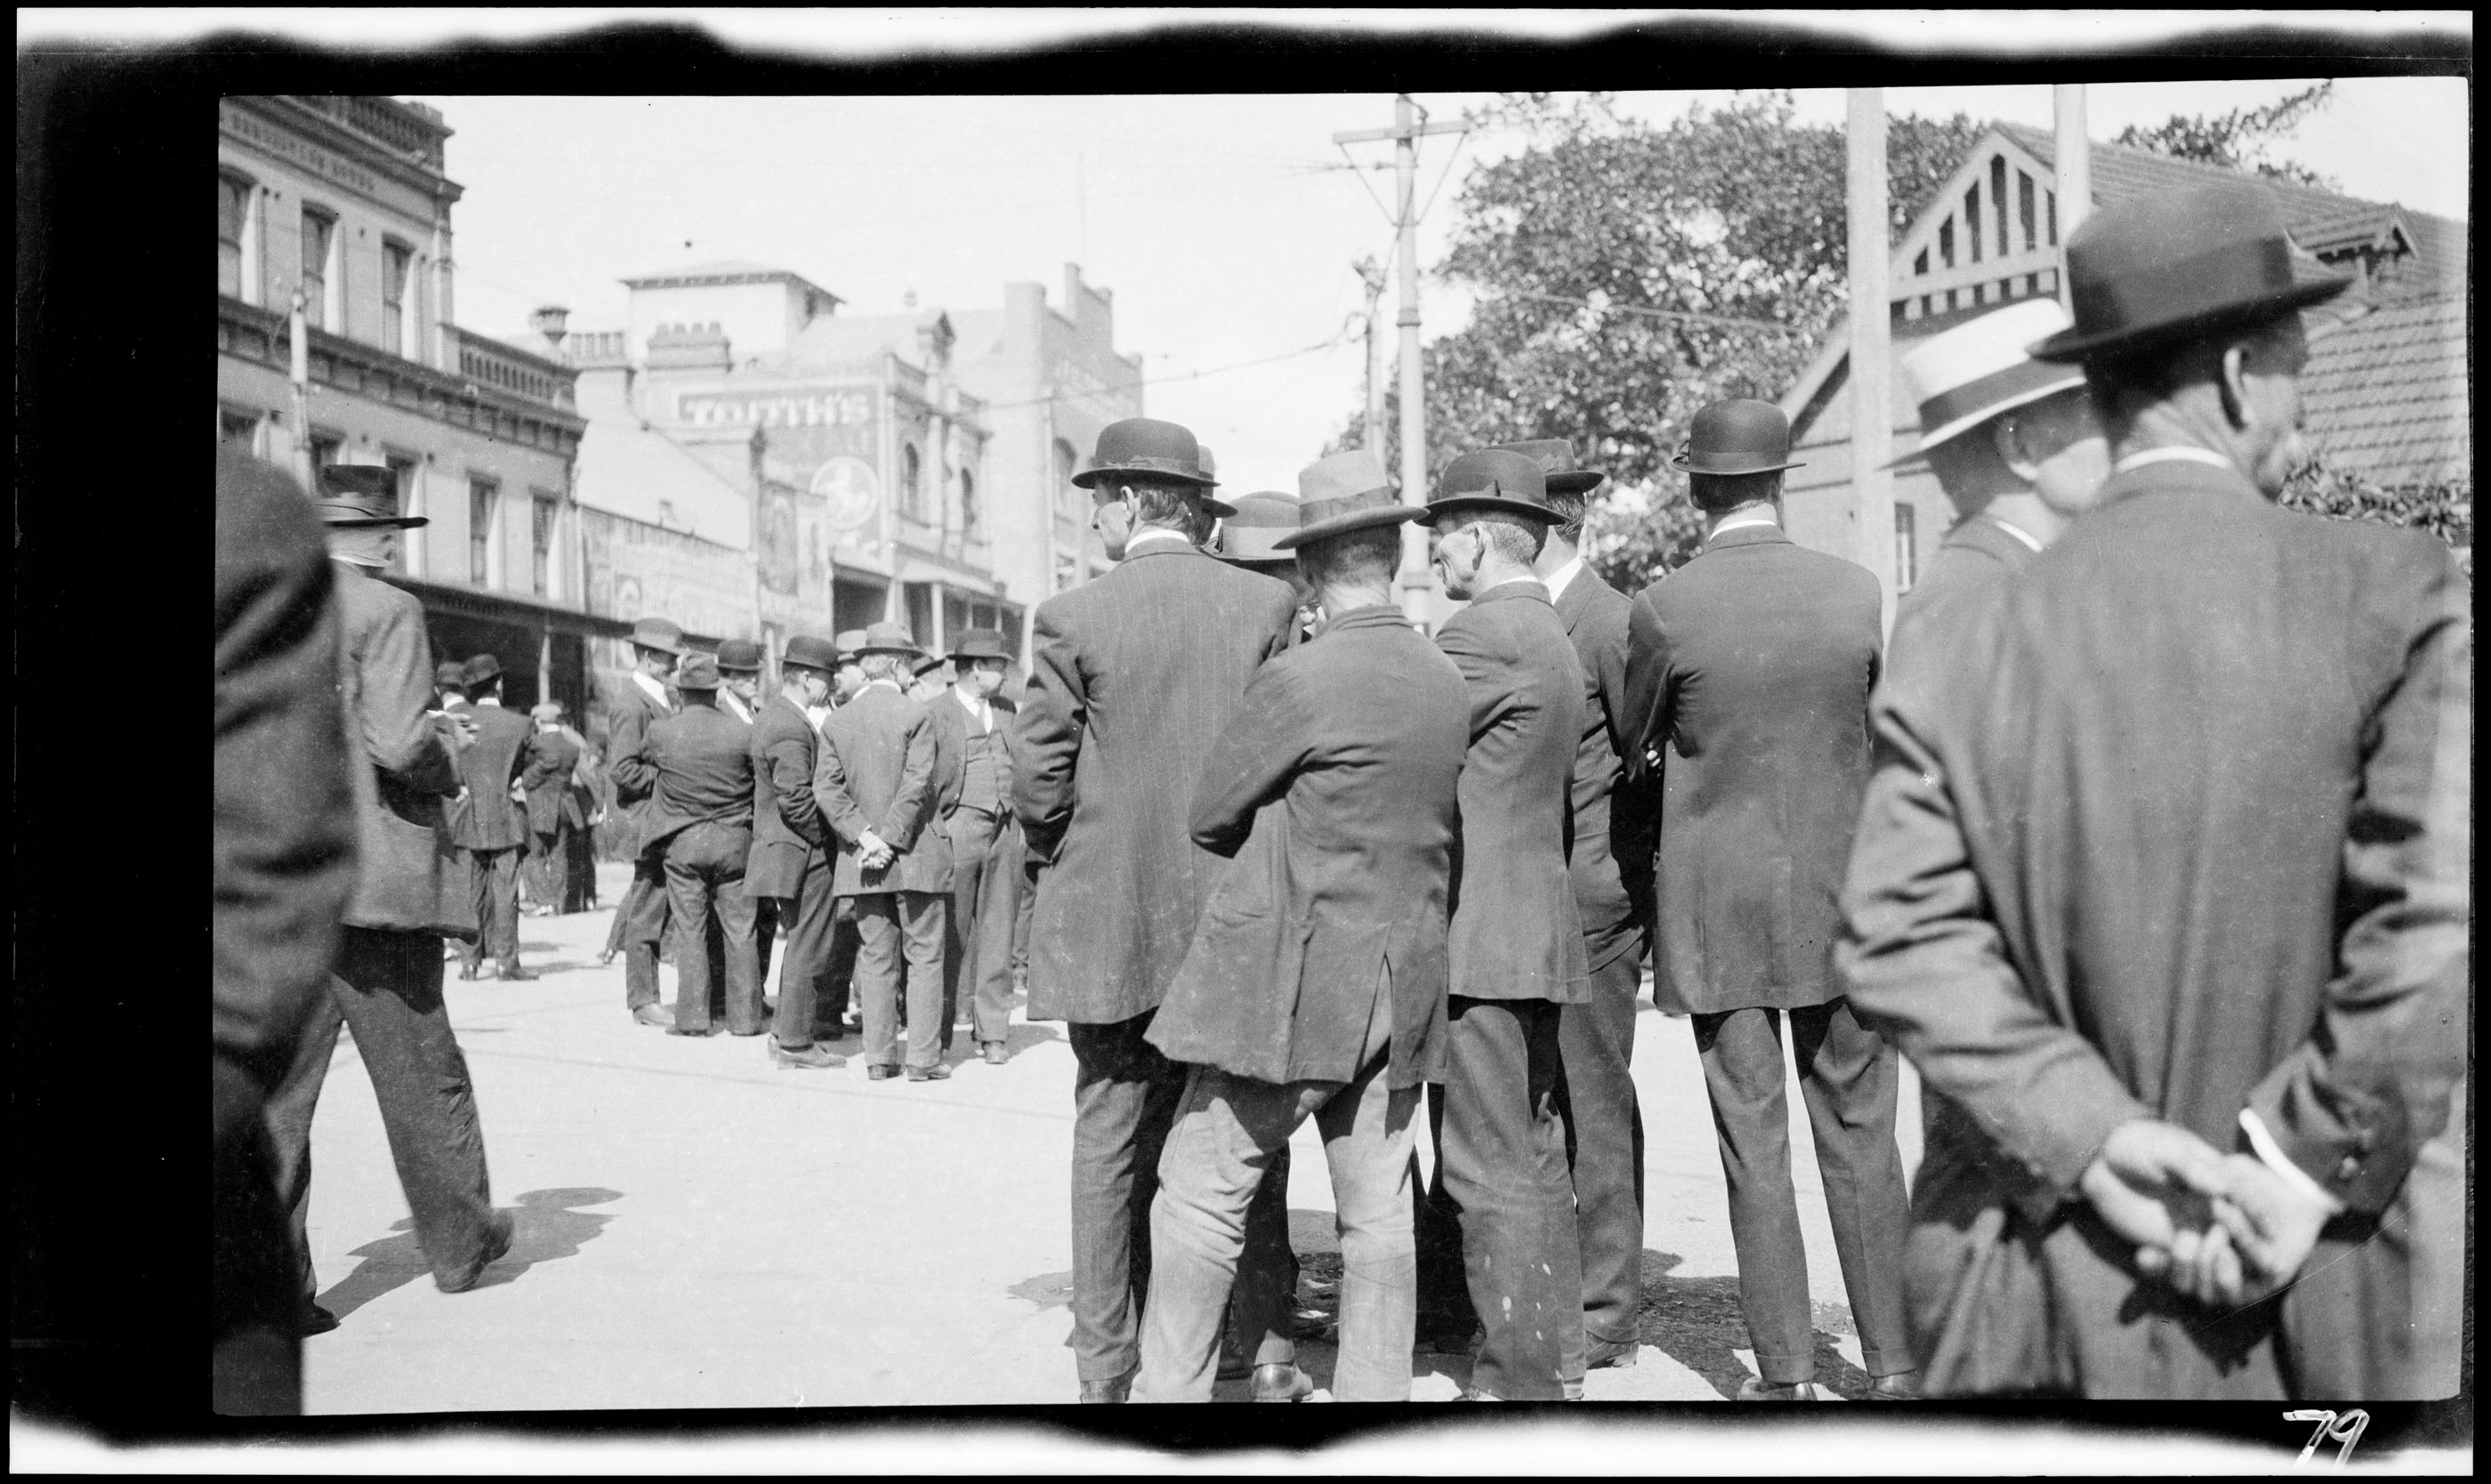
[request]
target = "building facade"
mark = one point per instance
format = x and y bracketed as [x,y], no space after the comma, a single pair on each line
[344,200]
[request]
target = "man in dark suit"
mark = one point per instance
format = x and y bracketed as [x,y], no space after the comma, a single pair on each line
[1316,985]
[974,725]
[284,840]
[553,813]
[1748,672]
[790,863]
[493,829]
[1250,537]
[1610,869]
[640,920]
[410,891]
[698,823]
[1516,937]
[1134,674]
[874,781]
[2175,907]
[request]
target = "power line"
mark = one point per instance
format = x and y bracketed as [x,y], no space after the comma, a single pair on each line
[1732,321]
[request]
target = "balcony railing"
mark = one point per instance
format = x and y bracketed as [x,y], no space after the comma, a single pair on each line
[594,347]
[492,363]
[387,121]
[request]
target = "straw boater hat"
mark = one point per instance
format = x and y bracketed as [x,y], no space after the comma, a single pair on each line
[1493,479]
[1737,435]
[1249,538]
[1343,493]
[811,654]
[1146,446]
[2157,269]
[363,495]
[1975,371]
[1556,458]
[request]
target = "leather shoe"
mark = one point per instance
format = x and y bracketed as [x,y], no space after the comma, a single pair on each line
[1901,1386]
[509,968]
[882,1072]
[993,1051]
[1281,1382]
[1597,1353]
[605,955]
[704,1031]
[497,1246]
[654,1015]
[1754,1389]
[1118,1388]
[803,1056]
[467,971]
[934,1073]
[316,1320]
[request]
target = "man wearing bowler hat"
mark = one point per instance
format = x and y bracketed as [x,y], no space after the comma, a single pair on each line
[410,891]
[492,831]
[874,781]
[2175,907]
[789,866]
[698,824]
[1748,672]
[1133,675]
[739,679]
[975,726]
[2014,444]
[1315,987]
[640,922]
[1610,869]
[1516,939]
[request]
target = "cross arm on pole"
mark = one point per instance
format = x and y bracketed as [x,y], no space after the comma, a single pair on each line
[1371,135]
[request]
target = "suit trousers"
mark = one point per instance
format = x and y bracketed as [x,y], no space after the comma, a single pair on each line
[386,985]
[985,901]
[1125,1096]
[1595,1098]
[830,1016]
[1502,1155]
[806,967]
[713,927]
[639,921]
[257,1366]
[892,925]
[496,877]
[766,922]
[546,871]
[1848,1078]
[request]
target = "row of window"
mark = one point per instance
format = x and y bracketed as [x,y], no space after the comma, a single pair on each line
[913,501]
[239,232]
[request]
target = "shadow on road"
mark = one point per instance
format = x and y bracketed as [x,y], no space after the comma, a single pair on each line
[1697,1322]
[547,1228]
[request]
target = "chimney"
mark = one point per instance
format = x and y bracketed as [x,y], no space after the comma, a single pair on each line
[549,322]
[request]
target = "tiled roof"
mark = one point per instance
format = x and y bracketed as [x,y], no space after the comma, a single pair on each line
[2387,394]
[838,339]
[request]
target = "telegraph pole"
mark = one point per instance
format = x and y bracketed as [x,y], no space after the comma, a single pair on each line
[1418,581]
[1872,417]
[299,331]
[1372,271]
[2074,168]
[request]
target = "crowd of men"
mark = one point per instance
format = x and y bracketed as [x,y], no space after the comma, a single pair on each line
[2145,840]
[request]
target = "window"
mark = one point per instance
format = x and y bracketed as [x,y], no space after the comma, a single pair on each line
[540,545]
[969,506]
[483,502]
[233,224]
[912,481]
[1066,500]
[1971,222]
[1907,564]
[319,240]
[241,429]
[397,260]
[325,447]
[2024,208]
[1997,199]
[919,599]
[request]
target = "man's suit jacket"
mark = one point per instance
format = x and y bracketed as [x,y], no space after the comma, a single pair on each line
[2195,843]
[1976,555]
[626,734]
[951,747]
[1611,862]
[1335,792]
[552,759]
[1516,934]
[788,835]
[875,770]
[410,878]
[1135,675]
[499,756]
[1749,668]
[702,759]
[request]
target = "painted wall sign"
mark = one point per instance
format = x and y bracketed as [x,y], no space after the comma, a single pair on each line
[853,494]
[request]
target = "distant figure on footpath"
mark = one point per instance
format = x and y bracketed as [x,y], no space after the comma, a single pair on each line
[284,840]
[492,831]
[2174,906]
[554,809]
[640,920]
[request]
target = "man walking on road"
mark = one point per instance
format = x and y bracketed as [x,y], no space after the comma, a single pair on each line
[790,863]
[640,920]
[492,831]
[1748,675]
[974,723]
[1133,675]
[697,766]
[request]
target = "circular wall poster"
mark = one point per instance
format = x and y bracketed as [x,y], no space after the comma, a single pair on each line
[851,491]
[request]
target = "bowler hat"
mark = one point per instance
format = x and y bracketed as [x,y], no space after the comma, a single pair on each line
[658,634]
[1495,480]
[1977,370]
[1737,435]
[450,675]
[698,672]
[359,495]
[980,644]
[1151,448]
[1247,539]
[1344,493]
[1555,457]
[849,641]
[885,639]
[924,662]
[738,656]
[810,652]
[481,668]
[2157,269]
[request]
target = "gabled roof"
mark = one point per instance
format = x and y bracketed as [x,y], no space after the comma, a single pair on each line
[2358,392]
[846,338]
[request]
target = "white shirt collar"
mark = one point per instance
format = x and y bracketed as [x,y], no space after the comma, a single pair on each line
[2017,531]
[488,700]
[735,703]
[655,689]
[1764,517]
[1493,585]
[1558,579]
[982,710]
[1156,534]
[817,715]
[2175,453]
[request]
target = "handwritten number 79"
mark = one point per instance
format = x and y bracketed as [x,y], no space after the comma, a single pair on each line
[2346,1431]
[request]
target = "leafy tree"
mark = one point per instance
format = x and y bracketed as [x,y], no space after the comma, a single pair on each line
[2442,507]
[2238,140]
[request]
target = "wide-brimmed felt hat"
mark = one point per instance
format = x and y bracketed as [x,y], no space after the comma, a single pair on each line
[1737,435]
[980,644]
[1246,538]
[1344,493]
[1555,457]
[698,672]
[2158,269]
[450,675]
[481,668]
[659,634]
[886,639]
[1971,373]
[1493,479]
[362,495]
[1148,447]
[738,656]
[924,662]
[810,652]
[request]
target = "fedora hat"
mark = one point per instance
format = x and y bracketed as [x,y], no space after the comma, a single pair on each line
[1555,457]
[980,644]
[1246,538]
[450,675]
[924,662]
[849,642]
[658,634]
[481,668]
[1737,435]
[1344,493]
[810,654]
[1493,479]
[885,639]
[738,656]
[363,495]
[2157,269]
[698,672]
[1977,370]
[1148,447]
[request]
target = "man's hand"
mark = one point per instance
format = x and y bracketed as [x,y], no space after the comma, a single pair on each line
[2274,1225]
[2154,1183]
[874,853]
[518,795]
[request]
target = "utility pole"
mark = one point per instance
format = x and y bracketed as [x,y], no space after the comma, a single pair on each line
[297,330]
[1372,271]
[1418,581]
[1872,417]
[2074,168]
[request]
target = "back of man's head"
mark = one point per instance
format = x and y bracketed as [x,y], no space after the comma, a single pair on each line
[1170,504]
[1716,493]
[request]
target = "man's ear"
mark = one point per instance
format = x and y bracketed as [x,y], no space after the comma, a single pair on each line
[2232,383]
